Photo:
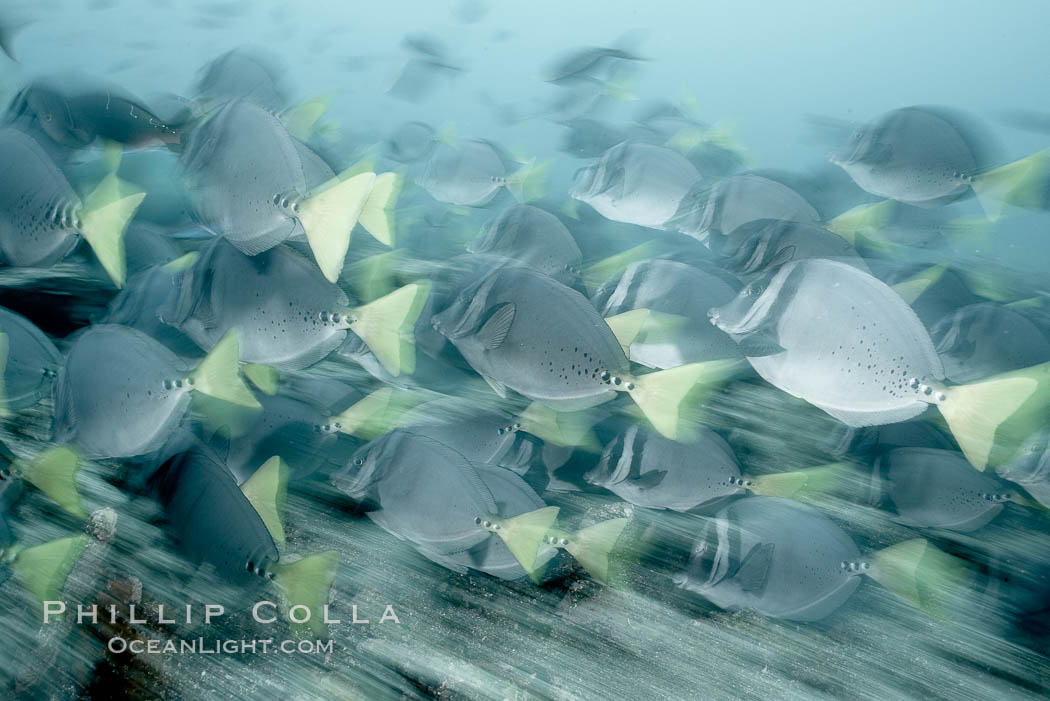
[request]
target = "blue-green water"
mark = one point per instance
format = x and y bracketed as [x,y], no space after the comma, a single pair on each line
[770,89]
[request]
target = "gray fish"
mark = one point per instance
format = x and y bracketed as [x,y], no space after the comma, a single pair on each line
[523,331]
[148,304]
[244,138]
[42,218]
[75,115]
[240,531]
[287,314]
[533,237]
[122,394]
[492,556]
[712,213]
[915,155]
[757,248]
[433,496]
[646,469]
[471,174]
[30,362]
[483,437]
[677,289]
[933,488]
[850,345]
[275,299]
[838,338]
[636,183]
[778,557]
[213,521]
[984,339]
[581,64]
[292,193]
[243,74]
[411,142]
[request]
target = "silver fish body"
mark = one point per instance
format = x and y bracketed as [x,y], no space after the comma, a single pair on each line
[775,556]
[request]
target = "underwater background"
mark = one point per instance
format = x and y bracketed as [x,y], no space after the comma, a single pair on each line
[769,88]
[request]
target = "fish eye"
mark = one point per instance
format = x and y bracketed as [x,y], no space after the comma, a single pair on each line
[477,520]
[359,461]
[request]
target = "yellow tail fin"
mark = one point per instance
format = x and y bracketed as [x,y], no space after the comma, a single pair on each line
[660,394]
[627,326]
[377,215]
[920,574]
[1023,183]
[592,546]
[991,418]
[863,220]
[529,182]
[264,377]
[43,569]
[374,415]
[218,375]
[387,326]
[372,277]
[302,119]
[912,288]
[54,472]
[563,428]
[266,490]
[524,533]
[822,478]
[306,582]
[597,273]
[329,215]
[107,211]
